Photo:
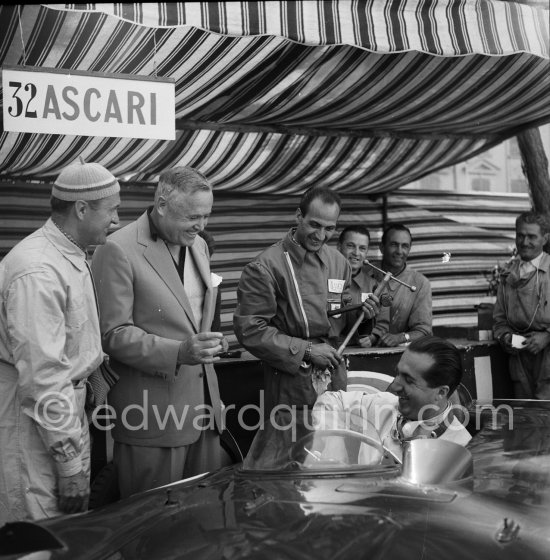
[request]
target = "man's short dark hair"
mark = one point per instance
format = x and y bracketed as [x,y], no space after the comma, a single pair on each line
[534,218]
[61,207]
[324,193]
[447,367]
[362,230]
[395,227]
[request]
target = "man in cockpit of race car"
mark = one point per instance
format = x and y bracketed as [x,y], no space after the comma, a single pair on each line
[416,404]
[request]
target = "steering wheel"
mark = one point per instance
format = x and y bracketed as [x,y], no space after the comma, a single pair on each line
[297,449]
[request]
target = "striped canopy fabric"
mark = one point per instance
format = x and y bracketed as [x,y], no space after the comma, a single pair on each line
[271,97]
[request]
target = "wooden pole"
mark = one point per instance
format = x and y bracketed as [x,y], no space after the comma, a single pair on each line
[535,168]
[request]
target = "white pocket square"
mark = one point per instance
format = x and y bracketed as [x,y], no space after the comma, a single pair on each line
[216,279]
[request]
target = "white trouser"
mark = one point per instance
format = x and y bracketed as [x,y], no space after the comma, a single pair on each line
[28,476]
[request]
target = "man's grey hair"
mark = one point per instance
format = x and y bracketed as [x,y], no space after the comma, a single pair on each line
[182,179]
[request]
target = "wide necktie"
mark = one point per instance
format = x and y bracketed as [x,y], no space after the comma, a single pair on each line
[181,261]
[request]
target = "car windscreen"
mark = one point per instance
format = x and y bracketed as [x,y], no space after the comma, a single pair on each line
[337,440]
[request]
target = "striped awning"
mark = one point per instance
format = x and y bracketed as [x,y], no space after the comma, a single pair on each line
[362,96]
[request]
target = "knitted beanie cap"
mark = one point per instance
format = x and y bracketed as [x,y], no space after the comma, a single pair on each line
[84,181]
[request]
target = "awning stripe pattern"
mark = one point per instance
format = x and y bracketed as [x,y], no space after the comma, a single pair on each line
[441,27]
[273,96]
[252,162]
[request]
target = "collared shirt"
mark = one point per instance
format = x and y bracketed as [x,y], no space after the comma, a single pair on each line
[523,305]
[361,285]
[49,334]
[187,271]
[526,267]
[376,415]
[409,429]
[179,262]
[536,261]
[410,312]
[273,319]
[155,234]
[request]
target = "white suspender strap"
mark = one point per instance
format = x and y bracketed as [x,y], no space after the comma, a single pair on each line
[291,268]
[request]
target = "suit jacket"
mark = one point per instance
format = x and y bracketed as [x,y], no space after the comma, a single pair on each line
[144,316]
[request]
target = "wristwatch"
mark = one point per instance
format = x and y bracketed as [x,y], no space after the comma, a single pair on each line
[407,337]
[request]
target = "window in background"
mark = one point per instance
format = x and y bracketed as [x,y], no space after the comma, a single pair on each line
[519,185]
[481,184]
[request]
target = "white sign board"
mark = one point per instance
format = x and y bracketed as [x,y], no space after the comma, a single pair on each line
[88,104]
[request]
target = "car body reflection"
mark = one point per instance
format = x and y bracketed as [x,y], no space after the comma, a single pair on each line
[284,503]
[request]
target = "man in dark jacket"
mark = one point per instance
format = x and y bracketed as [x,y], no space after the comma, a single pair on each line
[283,298]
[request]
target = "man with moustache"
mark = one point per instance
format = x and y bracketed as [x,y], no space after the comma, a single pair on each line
[416,404]
[353,243]
[523,308]
[410,312]
[157,303]
[282,302]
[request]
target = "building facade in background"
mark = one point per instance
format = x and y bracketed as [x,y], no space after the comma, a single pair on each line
[496,171]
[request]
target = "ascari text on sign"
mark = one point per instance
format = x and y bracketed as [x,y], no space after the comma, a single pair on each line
[87,104]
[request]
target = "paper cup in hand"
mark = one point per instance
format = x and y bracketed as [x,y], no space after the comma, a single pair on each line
[518,341]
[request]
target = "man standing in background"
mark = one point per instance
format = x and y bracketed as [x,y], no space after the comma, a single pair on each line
[521,318]
[49,345]
[410,312]
[354,243]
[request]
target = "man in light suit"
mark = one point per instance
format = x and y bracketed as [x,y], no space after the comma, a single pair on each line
[156,304]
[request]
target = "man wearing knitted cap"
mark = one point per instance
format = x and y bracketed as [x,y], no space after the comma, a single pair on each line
[49,345]
[157,303]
